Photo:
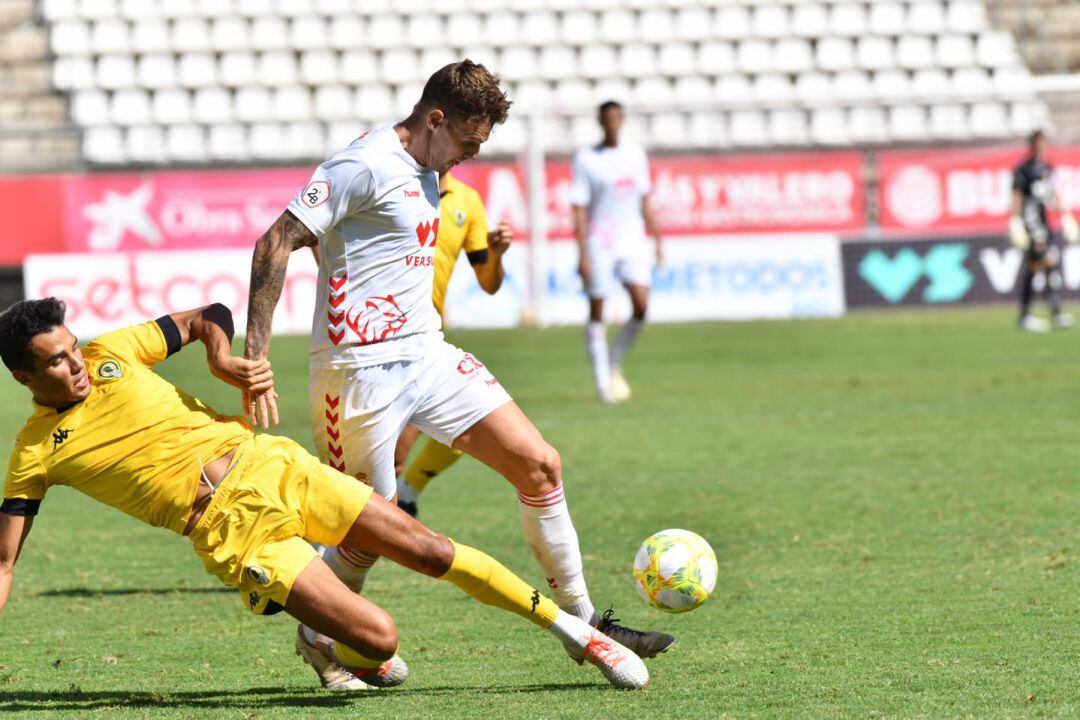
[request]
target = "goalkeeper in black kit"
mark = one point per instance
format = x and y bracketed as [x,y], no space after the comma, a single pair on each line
[1033,192]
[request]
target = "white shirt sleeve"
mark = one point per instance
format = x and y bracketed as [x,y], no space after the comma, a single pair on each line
[580,192]
[340,187]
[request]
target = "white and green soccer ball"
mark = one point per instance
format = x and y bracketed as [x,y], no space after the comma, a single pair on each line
[675,570]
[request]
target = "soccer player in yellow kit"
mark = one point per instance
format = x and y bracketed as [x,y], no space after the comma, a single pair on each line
[105,424]
[462,226]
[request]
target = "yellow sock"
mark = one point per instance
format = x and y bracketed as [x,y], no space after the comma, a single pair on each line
[348,657]
[488,581]
[434,458]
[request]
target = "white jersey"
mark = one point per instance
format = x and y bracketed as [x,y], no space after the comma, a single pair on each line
[610,183]
[375,211]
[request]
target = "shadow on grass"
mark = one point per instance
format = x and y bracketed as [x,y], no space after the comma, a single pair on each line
[84,592]
[75,699]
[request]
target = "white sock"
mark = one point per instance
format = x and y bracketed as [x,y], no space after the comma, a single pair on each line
[596,342]
[350,566]
[628,334]
[545,518]
[572,631]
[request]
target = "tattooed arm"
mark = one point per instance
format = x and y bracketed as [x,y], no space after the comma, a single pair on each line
[268,265]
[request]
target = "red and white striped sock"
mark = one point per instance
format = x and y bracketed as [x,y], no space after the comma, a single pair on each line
[350,566]
[545,518]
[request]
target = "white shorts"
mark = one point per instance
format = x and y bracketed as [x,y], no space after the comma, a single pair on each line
[610,271]
[357,413]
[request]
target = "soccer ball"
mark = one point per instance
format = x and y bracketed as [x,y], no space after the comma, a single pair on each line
[675,570]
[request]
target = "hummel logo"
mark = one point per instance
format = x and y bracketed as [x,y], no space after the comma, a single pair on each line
[412,193]
[59,437]
[535,600]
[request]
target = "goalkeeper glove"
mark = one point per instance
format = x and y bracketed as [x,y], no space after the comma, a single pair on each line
[1018,234]
[1069,227]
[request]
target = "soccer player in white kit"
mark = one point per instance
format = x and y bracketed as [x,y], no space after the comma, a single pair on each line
[609,191]
[378,358]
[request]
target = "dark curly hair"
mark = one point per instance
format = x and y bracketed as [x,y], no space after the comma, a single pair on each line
[466,91]
[20,323]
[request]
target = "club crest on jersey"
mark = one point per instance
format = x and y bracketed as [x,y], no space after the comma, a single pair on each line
[258,575]
[316,193]
[109,370]
[460,217]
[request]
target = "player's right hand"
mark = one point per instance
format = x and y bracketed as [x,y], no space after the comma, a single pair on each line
[1018,234]
[261,409]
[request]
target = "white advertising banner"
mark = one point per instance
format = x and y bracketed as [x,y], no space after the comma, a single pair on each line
[104,291]
[702,278]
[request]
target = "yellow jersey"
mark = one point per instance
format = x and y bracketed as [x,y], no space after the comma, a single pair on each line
[135,442]
[462,225]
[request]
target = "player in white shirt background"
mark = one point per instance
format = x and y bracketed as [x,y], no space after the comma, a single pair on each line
[378,357]
[609,192]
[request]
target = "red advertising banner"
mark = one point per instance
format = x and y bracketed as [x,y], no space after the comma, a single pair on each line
[964,190]
[204,209]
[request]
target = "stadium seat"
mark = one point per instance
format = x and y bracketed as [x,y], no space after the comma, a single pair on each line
[847,19]
[989,119]
[793,55]
[98,9]
[197,70]
[305,140]
[151,35]
[138,9]
[318,67]
[690,91]
[190,34]
[828,126]
[145,144]
[211,9]
[996,49]
[891,85]
[508,137]
[374,103]
[914,51]
[874,53]
[731,22]
[852,86]
[291,104]
[73,73]
[539,28]
[748,128]
[578,27]
[386,31]
[229,33]
[652,92]
[754,56]
[656,26]
[971,83]
[667,130]
[333,102]
[1011,82]
[637,60]
[186,143]
[70,37]
[269,32]
[227,143]
[130,107]
[573,94]
[557,62]
[733,90]
[405,97]
[715,58]
[692,24]
[57,10]
[357,66]
[340,134]
[267,141]
[954,51]
[104,145]
[834,54]
[308,33]
[398,65]
[431,59]
[772,89]
[1026,117]
[868,125]
[277,68]
[518,63]
[212,106]
[931,83]
[346,32]
[110,36]
[598,61]
[583,131]
[252,104]
[617,26]
[707,130]
[502,29]
[966,16]
[787,127]
[926,18]
[676,59]
[813,87]
[533,93]
[115,71]
[425,30]
[237,69]
[770,21]
[907,123]
[886,18]
[466,30]
[809,20]
[90,107]
[172,105]
[948,122]
[254,8]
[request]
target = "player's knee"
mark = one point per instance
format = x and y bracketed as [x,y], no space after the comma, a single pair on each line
[639,312]
[381,637]
[436,556]
[545,467]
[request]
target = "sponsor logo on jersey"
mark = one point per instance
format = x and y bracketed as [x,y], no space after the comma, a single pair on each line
[109,370]
[59,437]
[460,217]
[382,318]
[427,230]
[419,260]
[412,193]
[469,365]
[316,193]
[258,575]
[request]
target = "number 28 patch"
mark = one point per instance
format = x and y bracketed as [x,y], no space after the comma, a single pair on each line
[316,193]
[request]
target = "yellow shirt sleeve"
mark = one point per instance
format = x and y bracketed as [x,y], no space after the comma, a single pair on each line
[25,484]
[476,238]
[148,343]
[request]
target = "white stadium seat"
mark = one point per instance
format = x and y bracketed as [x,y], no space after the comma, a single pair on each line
[104,145]
[692,23]
[171,105]
[668,129]
[386,31]
[465,30]
[57,10]
[227,143]
[333,102]
[598,61]
[277,68]
[145,144]
[891,85]
[997,49]
[954,51]
[617,26]
[715,57]
[267,141]
[214,8]
[319,67]
[813,87]
[237,69]
[656,26]
[773,89]
[374,103]
[948,122]
[931,83]
[115,71]
[190,34]
[770,21]
[197,70]
[731,22]
[110,36]
[405,97]
[73,72]
[252,104]
[809,20]
[573,94]
[868,125]
[734,90]
[583,131]
[253,8]
[637,60]
[346,31]
[914,51]
[305,140]
[291,104]
[852,86]
[398,65]
[1025,117]
[926,18]
[533,93]
[98,9]
[138,9]
[212,106]
[1014,81]
[834,54]
[847,19]
[308,33]
[754,56]
[707,130]
[90,107]
[747,128]
[230,33]
[690,90]
[186,143]
[269,32]
[557,62]
[793,55]
[989,119]
[539,28]
[907,123]
[971,83]
[501,29]
[676,59]
[828,126]
[650,92]
[518,63]
[874,53]
[886,18]
[151,35]
[578,27]
[70,37]
[431,59]
[130,107]
[966,16]
[612,89]
[788,127]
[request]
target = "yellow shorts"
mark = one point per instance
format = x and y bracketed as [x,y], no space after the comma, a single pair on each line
[276,500]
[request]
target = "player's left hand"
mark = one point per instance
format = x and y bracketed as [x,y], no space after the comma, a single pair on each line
[251,376]
[500,238]
[261,410]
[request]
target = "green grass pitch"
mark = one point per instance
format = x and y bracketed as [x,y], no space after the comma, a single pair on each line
[893,498]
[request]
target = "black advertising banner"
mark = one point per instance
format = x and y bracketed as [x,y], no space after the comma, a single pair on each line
[940,271]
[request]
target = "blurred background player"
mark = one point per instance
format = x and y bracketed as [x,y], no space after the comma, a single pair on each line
[462,226]
[1029,230]
[609,192]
